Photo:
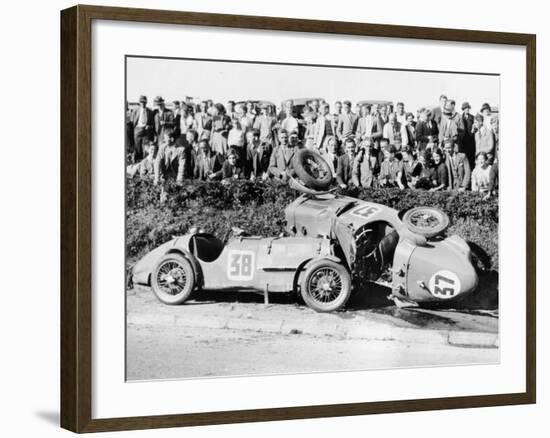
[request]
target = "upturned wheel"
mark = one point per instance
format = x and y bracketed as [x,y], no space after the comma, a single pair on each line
[426,221]
[312,169]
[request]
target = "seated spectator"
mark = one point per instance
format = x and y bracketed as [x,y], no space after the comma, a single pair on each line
[458,167]
[174,159]
[391,169]
[231,168]
[344,167]
[280,164]
[411,168]
[330,153]
[439,176]
[146,168]
[208,164]
[481,175]
[366,167]
[424,179]
[257,159]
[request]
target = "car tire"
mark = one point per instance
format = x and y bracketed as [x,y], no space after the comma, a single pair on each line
[319,177]
[426,221]
[173,279]
[325,285]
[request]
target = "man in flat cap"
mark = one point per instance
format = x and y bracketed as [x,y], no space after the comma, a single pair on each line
[468,141]
[164,121]
[486,112]
[451,124]
[143,122]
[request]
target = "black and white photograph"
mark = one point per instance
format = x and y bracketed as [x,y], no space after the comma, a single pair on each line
[294,218]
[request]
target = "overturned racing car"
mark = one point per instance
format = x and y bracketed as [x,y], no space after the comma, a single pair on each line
[330,241]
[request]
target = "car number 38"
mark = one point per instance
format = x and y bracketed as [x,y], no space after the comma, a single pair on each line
[240,265]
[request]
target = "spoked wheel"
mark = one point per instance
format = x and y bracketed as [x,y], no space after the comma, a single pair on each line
[426,221]
[325,286]
[312,169]
[173,279]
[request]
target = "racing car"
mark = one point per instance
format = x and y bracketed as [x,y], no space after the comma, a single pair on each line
[330,240]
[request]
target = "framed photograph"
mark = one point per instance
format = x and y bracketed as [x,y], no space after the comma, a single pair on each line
[269,218]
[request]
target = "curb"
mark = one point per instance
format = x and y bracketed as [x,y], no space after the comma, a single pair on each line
[363,331]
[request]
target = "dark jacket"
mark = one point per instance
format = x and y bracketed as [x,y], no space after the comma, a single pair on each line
[423,131]
[344,169]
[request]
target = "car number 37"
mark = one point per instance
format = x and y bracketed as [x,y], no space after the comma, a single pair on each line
[240,265]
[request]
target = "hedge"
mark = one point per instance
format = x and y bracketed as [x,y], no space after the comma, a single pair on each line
[155,213]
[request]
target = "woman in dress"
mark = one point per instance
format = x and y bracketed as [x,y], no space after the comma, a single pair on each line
[440,178]
[220,128]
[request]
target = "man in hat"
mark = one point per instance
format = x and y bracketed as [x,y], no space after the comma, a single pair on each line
[468,141]
[164,120]
[451,125]
[143,121]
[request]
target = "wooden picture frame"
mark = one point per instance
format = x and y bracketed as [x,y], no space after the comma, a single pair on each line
[76,217]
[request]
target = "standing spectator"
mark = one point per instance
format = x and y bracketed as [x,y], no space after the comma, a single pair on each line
[451,125]
[258,156]
[289,123]
[208,164]
[143,120]
[232,169]
[486,112]
[250,115]
[346,122]
[187,120]
[458,167]
[394,131]
[310,118]
[400,113]
[265,123]
[129,132]
[468,142]
[391,169]
[338,108]
[369,126]
[230,110]
[203,121]
[383,112]
[220,128]
[366,167]
[410,129]
[323,127]
[280,164]
[484,137]
[177,117]
[247,124]
[437,112]
[426,130]
[164,120]
[236,140]
[439,177]
[330,154]
[481,176]
[344,167]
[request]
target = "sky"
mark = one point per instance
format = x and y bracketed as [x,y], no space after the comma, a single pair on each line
[174,79]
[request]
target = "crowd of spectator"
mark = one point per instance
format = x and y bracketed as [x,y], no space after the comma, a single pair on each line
[371,145]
